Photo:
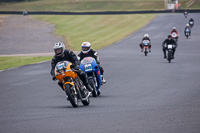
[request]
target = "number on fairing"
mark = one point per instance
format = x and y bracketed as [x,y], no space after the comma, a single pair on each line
[173,34]
[88,67]
[170,46]
[61,66]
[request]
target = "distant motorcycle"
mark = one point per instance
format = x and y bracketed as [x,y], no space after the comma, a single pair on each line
[169,48]
[175,36]
[191,23]
[185,14]
[187,34]
[145,47]
[91,68]
[72,84]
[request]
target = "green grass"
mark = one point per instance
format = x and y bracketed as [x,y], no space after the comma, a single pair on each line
[10,62]
[100,30]
[90,5]
[83,5]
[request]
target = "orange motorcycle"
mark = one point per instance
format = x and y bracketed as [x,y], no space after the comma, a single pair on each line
[72,84]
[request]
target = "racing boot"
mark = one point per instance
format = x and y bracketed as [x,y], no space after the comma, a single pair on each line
[103,80]
[98,92]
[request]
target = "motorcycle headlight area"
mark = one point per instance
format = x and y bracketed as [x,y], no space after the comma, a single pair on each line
[88,67]
[61,66]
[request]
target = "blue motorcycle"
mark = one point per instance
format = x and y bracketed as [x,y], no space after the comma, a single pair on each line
[187,32]
[91,68]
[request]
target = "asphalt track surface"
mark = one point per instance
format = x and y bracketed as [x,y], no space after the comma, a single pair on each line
[142,94]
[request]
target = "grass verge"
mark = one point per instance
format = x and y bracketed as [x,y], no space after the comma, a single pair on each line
[83,5]
[99,30]
[11,62]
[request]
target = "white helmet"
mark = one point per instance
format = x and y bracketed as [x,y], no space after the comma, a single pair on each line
[146,35]
[187,24]
[174,28]
[59,48]
[85,47]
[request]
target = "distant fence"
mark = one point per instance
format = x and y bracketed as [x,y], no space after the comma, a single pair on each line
[101,13]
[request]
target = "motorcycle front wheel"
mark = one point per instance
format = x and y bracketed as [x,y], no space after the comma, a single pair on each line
[169,56]
[71,95]
[91,83]
[145,52]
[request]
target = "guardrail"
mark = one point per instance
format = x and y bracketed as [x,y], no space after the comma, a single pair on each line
[100,13]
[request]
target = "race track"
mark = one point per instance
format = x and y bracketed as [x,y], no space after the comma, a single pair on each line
[142,94]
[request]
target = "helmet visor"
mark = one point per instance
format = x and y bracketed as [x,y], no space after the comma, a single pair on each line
[58,51]
[85,48]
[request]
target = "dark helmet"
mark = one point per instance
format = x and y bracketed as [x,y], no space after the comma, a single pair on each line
[169,36]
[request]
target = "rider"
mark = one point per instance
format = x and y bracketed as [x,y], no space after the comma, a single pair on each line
[62,54]
[174,30]
[86,51]
[185,13]
[167,41]
[187,27]
[191,20]
[146,37]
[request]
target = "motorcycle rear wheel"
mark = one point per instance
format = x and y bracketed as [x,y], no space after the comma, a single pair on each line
[71,96]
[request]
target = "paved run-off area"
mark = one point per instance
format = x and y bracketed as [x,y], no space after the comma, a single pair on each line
[25,35]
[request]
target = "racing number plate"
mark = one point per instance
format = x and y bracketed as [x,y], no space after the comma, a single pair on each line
[88,67]
[61,66]
[169,46]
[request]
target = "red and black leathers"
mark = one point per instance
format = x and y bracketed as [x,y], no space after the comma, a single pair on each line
[174,30]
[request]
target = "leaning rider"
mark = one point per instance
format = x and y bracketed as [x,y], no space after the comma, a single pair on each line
[86,51]
[146,37]
[168,41]
[187,27]
[62,54]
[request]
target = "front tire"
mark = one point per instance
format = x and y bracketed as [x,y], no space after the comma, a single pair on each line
[91,83]
[187,35]
[169,56]
[145,52]
[71,95]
